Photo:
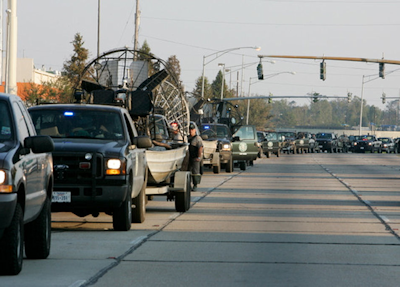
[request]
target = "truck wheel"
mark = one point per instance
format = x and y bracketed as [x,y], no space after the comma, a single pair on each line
[182,199]
[268,154]
[122,216]
[278,153]
[12,245]
[242,165]
[38,234]
[139,212]
[216,168]
[229,165]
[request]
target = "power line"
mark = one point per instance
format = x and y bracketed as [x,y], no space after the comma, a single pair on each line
[271,24]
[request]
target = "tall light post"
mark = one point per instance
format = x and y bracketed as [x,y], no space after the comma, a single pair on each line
[265,77]
[362,92]
[217,55]
[223,78]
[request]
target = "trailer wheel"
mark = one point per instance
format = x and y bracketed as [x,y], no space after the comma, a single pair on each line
[182,199]
[139,212]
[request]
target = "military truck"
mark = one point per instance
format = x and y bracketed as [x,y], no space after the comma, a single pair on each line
[273,144]
[219,154]
[245,146]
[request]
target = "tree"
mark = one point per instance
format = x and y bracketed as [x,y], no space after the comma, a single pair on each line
[74,67]
[174,65]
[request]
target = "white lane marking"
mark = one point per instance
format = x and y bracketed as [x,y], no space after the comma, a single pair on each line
[78,283]
[138,240]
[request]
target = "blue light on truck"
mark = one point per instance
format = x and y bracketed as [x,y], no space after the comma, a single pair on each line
[68,114]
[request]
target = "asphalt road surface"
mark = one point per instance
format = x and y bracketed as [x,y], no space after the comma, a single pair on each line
[297,220]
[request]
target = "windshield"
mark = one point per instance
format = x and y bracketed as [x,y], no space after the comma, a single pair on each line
[78,123]
[323,136]
[274,137]
[288,135]
[245,133]
[215,131]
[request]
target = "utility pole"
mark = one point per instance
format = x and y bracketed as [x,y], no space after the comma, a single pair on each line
[11,82]
[137,23]
[98,28]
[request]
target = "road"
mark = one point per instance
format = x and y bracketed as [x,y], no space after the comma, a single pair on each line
[297,220]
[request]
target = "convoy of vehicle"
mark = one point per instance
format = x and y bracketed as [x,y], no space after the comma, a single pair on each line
[116,148]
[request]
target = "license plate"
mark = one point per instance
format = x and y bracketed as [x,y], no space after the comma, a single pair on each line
[361,147]
[270,147]
[320,146]
[61,196]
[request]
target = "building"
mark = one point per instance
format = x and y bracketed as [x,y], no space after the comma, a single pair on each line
[27,73]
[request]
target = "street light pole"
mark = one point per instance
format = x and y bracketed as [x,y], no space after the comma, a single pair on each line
[223,78]
[265,77]
[217,55]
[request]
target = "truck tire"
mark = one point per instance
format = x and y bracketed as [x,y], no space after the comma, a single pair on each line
[139,212]
[122,216]
[38,234]
[182,199]
[12,245]
[242,165]
[229,165]
[216,169]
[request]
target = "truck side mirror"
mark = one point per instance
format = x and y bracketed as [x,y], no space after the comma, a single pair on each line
[39,144]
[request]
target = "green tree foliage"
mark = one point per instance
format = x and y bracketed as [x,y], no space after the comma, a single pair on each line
[174,65]
[216,86]
[207,88]
[74,67]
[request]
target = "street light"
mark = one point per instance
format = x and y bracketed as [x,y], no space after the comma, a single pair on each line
[265,77]
[217,55]
[223,78]
[362,91]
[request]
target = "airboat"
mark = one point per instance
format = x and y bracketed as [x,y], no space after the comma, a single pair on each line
[149,89]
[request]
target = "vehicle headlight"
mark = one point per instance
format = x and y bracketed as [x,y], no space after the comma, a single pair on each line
[270,144]
[115,167]
[301,142]
[3,180]
[355,143]
[369,143]
[226,146]
[385,145]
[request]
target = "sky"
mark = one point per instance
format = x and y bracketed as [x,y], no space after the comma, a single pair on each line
[192,30]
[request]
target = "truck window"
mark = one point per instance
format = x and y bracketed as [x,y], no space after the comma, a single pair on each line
[6,130]
[21,123]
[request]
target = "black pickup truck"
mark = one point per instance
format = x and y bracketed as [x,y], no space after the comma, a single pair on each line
[26,185]
[99,161]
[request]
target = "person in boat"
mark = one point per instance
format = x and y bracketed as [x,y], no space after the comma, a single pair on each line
[176,134]
[195,155]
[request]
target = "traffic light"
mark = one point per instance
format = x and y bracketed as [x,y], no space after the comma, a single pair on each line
[349,97]
[270,98]
[322,69]
[315,98]
[383,98]
[260,72]
[382,70]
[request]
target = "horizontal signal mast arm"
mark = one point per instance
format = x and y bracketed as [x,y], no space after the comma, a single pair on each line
[395,62]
